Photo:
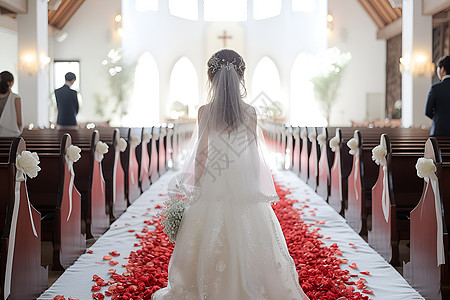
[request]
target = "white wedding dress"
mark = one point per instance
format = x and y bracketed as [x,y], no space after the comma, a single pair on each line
[230,245]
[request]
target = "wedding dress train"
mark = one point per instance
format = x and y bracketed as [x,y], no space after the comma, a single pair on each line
[230,245]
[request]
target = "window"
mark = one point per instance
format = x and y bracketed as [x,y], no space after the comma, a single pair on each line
[303,5]
[183,88]
[266,90]
[304,108]
[263,9]
[144,104]
[146,5]
[186,9]
[61,68]
[231,10]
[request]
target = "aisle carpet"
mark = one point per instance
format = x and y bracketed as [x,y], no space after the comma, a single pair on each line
[333,262]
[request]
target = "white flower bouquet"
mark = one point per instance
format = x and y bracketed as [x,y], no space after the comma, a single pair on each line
[171,216]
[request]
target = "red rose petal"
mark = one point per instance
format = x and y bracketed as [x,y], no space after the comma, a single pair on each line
[90,251]
[352,265]
[365,272]
[107,257]
[114,253]
[113,262]
[59,297]
[367,292]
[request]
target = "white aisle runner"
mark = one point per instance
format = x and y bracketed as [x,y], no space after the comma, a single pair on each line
[385,282]
[76,281]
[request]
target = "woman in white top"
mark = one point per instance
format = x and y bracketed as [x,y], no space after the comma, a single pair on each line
[10,107]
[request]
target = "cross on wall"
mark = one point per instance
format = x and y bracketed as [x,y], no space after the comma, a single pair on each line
[224,37]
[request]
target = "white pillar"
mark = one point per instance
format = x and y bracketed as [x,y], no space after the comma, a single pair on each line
[33,67]
[417,42]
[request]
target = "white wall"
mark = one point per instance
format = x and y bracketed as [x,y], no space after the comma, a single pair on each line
[90,37]
[354,31]
[167,38]
[8,54]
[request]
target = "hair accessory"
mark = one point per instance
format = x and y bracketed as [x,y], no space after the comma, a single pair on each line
[215,64]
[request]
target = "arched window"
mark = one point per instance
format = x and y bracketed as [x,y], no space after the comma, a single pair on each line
[186,9]
[231,10]
[263,9]
[146,5]
[304,109]
[266,91]
[144,105]
[303,5]
[183,88]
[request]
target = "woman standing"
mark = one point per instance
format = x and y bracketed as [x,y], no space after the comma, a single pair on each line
[10,107]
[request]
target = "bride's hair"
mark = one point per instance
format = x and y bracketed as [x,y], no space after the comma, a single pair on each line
[226,88]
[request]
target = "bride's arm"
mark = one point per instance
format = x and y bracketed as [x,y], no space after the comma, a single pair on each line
[202,148]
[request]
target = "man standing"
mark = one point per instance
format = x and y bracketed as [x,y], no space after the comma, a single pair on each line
[67,103]
[438,102]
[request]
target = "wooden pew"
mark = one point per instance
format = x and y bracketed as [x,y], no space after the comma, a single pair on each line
[154,157]
[161,144]
[130,163]
[169,146]
[313,161]
[423,272]
[143,159]
[21,274]
[304,154]
[326,159]
[354,213]
[296,150]
[113,173]
[56,197]
[89,182]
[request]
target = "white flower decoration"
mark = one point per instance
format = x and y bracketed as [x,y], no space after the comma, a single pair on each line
[312,137]
[28,162]
[73,153]
[147,136]
[321,139]
[353,145]
[378,155]
[425,167]
[334,144]
[135,140]
[121,145]
[303,134]
[100,149]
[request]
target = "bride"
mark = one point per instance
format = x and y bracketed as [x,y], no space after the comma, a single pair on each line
[229,245]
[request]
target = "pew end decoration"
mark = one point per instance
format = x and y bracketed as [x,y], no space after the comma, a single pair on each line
[100,150]
[426,270]
[122,145]
[332,64]
[27,163]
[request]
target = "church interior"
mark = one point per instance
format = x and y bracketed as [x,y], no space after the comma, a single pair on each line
[340,88]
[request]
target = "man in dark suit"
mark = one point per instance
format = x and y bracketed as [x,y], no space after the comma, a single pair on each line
[67,102]
[438,102]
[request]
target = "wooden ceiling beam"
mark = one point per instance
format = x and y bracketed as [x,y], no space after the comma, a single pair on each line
[388,8]
[390,30]
[382,12]
[371,11]
[65,11]
[432,7]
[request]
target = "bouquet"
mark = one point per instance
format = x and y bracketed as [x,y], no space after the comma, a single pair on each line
[172,214]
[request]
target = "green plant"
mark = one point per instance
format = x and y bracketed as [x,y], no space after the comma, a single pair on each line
[326,83]
[121,80]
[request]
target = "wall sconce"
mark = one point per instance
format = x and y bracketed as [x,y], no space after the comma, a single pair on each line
[29,63]
[330,24]
[44,62]
[419,66]
[118,25]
